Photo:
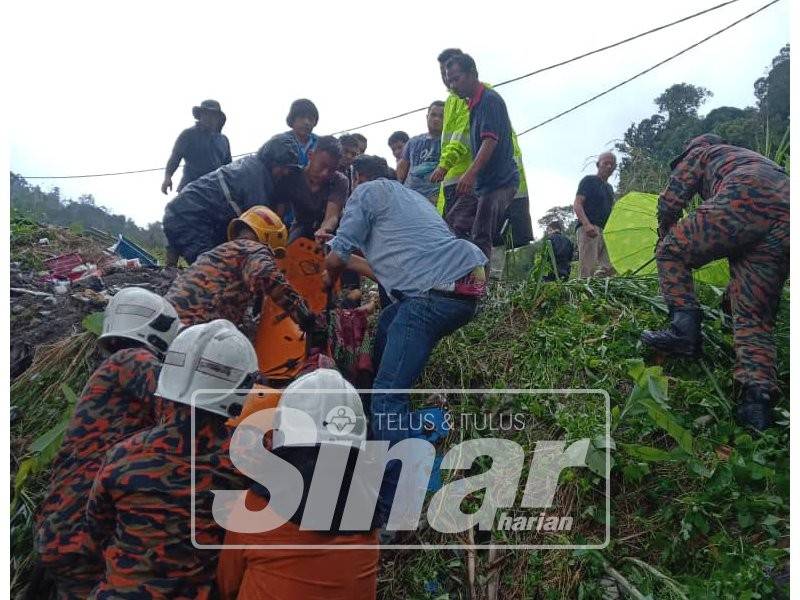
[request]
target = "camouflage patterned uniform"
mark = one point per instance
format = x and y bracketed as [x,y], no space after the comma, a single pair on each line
[139,510]
[117,402]
[224,282]
[745,218]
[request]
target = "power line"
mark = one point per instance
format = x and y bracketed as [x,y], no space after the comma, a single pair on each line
[562,63]
[655,66]
[615,44]
[416,110]
[561,114]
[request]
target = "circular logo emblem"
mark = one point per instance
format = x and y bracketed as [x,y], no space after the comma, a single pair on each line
[341,420]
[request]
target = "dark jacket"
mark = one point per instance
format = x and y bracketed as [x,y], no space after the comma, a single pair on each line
[563,250]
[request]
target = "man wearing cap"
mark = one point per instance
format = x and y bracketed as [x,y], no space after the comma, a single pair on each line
[202,147]
[744,217]
[196,220]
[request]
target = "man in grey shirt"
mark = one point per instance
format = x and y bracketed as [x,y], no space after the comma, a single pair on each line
[421,156]
[433,278]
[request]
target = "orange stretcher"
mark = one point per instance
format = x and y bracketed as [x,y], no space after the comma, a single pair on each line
[279,343]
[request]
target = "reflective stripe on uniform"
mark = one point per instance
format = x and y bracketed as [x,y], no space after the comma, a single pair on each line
[227,192]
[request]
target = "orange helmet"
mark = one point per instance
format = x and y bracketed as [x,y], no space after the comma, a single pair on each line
[267,226]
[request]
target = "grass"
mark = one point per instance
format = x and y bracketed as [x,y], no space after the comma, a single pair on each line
[700,508]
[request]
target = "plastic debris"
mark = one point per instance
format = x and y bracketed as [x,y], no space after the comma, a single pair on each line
[128,249]
[61,266]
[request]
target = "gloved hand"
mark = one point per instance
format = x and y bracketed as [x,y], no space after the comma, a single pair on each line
[315,326]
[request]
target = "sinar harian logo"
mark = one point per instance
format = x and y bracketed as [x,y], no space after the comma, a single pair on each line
[340,420]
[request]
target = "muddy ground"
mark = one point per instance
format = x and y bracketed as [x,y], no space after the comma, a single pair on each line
[43,312]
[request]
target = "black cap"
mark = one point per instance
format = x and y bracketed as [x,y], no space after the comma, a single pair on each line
[707,139]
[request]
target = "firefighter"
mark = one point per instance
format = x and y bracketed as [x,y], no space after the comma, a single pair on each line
[744,217]
[151,503]
[305,573]
[227,280]
[118,401]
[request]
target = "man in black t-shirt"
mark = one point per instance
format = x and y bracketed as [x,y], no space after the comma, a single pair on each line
[493,173]
[593,203]
[202,147]
[316,195]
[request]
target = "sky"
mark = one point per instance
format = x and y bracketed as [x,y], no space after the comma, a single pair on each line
[107,86]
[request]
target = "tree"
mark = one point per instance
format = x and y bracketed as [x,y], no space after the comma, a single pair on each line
[648,146]
[772,94]
[682,100]
[48,207]
[565,214]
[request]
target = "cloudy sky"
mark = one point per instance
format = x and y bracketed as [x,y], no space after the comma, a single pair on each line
[107,86]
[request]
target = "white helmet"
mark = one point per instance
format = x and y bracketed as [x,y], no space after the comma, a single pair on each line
[213,358]
[141,316]
[320,407]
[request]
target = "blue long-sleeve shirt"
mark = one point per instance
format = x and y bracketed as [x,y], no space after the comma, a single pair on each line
[405,241]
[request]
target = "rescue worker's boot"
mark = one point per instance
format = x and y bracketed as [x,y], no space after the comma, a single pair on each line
[683,338]
[755,408]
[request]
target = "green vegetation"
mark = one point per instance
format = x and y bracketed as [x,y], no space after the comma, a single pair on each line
[44,396]
[699,507]
[35,204]
[648,146]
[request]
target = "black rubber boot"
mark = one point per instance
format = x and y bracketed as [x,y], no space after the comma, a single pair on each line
[683,337]
[755,408]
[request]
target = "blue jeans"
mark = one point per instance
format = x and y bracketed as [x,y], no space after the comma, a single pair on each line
[407,333]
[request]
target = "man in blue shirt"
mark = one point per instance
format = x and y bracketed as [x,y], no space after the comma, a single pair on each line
[493,173]
[433,278]
[202,147]
[421,156]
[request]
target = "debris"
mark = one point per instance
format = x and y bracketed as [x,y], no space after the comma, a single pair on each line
[61,266]
[44,241]
[128,249]
[89,282]
[17,290]
[61,287]
[123,264]
[89,296]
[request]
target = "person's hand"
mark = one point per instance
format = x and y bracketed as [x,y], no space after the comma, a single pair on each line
[438,175]
[316,329]
[166,186]
[592,231]
[466,184]
[322,235]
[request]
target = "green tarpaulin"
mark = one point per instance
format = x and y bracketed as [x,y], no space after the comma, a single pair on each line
[631,234]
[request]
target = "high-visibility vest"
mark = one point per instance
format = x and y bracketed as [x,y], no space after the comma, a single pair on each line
[456,153]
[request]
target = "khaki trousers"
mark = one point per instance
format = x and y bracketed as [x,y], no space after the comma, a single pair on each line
[593,255]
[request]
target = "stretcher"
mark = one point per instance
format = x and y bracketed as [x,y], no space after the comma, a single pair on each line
[280,345]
